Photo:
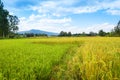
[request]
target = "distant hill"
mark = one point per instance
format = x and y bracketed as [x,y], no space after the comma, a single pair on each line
[35,31]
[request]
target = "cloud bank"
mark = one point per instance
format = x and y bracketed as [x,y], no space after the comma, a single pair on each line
[57,15]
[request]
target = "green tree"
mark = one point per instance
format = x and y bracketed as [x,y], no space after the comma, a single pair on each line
[92,34]
[117,29]
[101,33]
[69,34]
[83,34]
[61,33]
[3,21]
[13,22]
[8,23]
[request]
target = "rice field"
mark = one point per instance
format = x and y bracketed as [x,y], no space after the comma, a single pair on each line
[60,58]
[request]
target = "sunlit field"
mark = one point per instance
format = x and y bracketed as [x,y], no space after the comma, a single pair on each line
[64,58]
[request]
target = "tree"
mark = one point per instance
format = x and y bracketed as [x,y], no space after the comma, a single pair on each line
[61,33]
[83,34]
[69,34]
[101,33]
[117,29]
[92,34]
[8,23]
[3,20]
[13,22]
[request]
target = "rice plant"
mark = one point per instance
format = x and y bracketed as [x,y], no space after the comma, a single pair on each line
[74,58]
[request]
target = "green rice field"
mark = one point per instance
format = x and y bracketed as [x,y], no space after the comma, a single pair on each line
[60,58]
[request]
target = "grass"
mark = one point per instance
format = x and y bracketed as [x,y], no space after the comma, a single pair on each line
[96,59]
[84,58]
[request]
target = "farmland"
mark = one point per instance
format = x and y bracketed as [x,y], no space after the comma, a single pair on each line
[64,58]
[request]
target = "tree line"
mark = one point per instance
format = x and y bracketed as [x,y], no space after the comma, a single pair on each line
[33,35]
[113,33]
[8,23]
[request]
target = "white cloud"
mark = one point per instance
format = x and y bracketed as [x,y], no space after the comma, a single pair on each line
[86,9]
[51,15]
[111,4]
[55,21]
[60,24]
[105,26]
[111,7]
[59,8]
[114,11]
[48,24]
[95,28]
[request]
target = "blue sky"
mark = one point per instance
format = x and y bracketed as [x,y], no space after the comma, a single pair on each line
[65,15]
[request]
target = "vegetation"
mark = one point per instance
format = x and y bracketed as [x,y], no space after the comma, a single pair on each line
[95,59]
[63,58]
[8,23]
[117,29]
[33,35]
[62,33]
[101,33]
[29,59]
[115,32]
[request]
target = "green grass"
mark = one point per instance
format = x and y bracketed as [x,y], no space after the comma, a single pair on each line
[23,59]
[80,58]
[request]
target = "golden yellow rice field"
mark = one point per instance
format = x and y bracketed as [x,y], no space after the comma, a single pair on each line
[60,58]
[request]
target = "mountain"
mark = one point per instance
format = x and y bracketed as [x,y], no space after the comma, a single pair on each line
[35,31]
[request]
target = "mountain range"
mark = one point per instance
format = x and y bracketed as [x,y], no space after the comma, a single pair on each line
[36,31]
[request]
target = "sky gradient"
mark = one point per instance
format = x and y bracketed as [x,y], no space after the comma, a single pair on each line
[76,16]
